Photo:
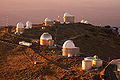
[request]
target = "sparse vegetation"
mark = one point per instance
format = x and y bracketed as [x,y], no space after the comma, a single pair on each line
[17,62]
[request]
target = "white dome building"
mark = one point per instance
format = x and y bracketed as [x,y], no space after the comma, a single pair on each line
[68,18]
[69,49]
[96,62]
[28,25]
[48,22]
[20,28]
[46,39]
[69,44]
[84,21]
[67,14]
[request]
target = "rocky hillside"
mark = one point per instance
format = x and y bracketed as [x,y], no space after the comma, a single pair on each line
[42,63]
[92,40]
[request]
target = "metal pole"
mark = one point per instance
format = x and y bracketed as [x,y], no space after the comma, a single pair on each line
[6,20]
[56,34]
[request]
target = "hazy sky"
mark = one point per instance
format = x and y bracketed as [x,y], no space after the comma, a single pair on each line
[105,12]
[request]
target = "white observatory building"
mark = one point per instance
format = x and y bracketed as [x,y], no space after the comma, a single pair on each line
[68,18]
[48,22]
[19,28]
[46,39]
[90,62]
[84,21]
[86,64]
[28,25]
[69,49]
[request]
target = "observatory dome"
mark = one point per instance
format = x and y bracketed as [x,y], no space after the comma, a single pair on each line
[86,22]
[46,36]
[20,25]
[47,19]
[69,44]
[67,14]
[28,23]
[82,21]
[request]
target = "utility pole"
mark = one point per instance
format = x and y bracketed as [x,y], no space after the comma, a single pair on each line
[6,20]
[56,33]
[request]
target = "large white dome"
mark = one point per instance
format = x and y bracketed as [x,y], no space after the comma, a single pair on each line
[69,44]
[67,14]
[47,19]
[46,36]
[20,25]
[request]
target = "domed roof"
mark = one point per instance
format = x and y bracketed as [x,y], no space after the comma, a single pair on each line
[86,22]
[82,21]
[69,44]
[67,14]
[46,36]
[47,19]
[20,25]
[28,22]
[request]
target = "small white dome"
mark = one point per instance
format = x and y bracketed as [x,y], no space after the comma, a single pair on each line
[47,19]
[82,21]
[86,22]
[29,24]
[20,25]
[67,14]
[69,44]
[46,36]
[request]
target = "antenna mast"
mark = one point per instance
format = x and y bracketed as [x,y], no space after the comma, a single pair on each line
[6,20]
